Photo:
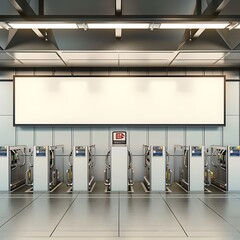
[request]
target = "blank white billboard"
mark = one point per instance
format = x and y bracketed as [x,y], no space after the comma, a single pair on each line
[164,100]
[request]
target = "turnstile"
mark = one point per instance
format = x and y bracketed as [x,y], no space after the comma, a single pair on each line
[155,163]
[12,167]
[225,167]
[80,173]
[118,169]
[192,167]
[42,172]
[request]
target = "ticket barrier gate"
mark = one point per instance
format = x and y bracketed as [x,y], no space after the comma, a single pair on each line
[192,167]
[80,174]
[157,171]
[42,173]
[225,167]
[119,171]
[12,167]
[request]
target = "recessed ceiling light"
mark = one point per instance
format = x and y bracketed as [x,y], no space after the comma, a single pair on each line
[202,25]
[117,25]
[38,25]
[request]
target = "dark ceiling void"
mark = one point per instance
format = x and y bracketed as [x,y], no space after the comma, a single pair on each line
[208,40]
[158,7]
[79,7]
[28,40]
[213,8]
[131,40]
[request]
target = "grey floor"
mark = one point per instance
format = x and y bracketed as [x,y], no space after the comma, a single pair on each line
[119,215]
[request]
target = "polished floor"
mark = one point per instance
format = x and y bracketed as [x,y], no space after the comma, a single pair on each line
[132,216]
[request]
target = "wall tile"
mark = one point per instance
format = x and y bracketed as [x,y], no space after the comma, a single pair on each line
[6,98]
[101,138]
[194,136]
[232,98]
[213,136]
[25,136]
[138,138]
[231,131]
[7,131]
[82,136]
[43,136]
[157,136]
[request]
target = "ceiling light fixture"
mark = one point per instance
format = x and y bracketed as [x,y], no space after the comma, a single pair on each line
[197,25]
[118,33]
[121,25]
[117,25]
[37,25]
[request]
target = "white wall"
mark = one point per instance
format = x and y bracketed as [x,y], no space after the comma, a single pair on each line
[137,136]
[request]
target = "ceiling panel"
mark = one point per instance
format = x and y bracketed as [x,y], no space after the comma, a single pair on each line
[92,63]
[143,63]
[147,55]
[124,59]
[195,63]
[233,56]
[5,56]
[49,63]
[34,55]
[227,63]
[88,55]
[6,63]
[200,55]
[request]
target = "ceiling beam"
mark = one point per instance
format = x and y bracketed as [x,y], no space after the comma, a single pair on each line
[197,33]
[41,7]
[22,7]
[39,33]
[11,34]
[130,18]
[215,7]
[27,13]
[198,9]
[25,10]
[212,11]
[118,8]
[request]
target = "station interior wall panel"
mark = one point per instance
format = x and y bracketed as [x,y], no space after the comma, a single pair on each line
[136,135]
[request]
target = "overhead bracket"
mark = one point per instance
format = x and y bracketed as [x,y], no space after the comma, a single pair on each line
[22,7]
[118,33]
[118,10]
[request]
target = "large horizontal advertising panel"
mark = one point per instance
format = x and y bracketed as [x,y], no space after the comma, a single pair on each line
[161,100]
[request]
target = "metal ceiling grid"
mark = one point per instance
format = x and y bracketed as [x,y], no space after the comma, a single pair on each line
[157,48]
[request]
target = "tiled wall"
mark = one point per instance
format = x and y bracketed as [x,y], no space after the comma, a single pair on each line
[137,135]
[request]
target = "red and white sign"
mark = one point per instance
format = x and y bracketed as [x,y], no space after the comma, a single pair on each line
[119,137]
